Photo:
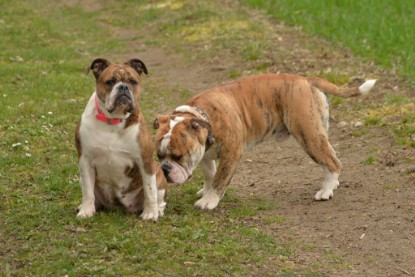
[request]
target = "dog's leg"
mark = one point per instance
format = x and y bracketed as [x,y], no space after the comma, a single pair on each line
[330,183]
[160,201]
[87,180]
[147,167]
[227,166]
[151,210]
[310,130]
[209,171]
[319,149]
[322,153]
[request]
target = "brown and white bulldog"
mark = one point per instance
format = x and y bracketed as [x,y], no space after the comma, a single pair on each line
[223,122]
[114,146]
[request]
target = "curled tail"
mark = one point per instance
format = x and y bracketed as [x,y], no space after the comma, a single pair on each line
[328,87]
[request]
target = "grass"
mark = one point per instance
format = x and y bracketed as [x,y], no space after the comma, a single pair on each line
[378,30]
[46,47]
[375,30]
[369,160]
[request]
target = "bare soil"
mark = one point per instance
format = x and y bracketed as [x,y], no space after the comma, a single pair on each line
[367,229]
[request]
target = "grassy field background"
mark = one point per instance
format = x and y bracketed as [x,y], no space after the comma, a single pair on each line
[45,49]
[379,30]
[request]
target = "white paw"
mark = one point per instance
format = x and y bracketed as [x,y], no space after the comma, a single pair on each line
[326,192]
[162,206]
[200,193]
[86,211]
[150,214]
[209,201]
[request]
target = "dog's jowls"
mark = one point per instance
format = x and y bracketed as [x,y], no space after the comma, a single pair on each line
[223,122]
[114,146]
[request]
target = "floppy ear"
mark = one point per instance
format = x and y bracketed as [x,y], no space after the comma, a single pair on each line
[161,119]
[209,141]
[156,124]
[137,65]
[197,125]
[98,66]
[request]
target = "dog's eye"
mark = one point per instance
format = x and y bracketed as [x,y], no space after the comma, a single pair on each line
[133,82]
[176,158]
[110,83]
[160,156]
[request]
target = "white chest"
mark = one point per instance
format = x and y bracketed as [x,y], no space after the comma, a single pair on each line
[111,150]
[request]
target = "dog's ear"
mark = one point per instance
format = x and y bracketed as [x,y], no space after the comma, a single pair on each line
[98,66]
[209,141]
[156,123]
[197,125]
[160,120]
[137,65]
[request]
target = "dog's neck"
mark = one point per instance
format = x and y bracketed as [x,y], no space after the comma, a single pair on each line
[102,117]
[196,111]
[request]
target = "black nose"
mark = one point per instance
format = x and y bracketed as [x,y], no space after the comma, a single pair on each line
[123,88]
[166,169]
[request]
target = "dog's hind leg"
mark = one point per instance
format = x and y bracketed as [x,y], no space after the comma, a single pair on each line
[309,127]
[330,183]
[319,149]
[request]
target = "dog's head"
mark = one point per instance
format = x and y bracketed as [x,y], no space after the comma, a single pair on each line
[181,143]
[118,85]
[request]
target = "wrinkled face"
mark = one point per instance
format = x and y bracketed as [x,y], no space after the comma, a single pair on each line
[118,85]
[181,143]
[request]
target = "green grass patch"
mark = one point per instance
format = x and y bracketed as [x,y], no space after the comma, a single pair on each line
[379,30]
[369,160]
[390,187]
[370,121]
[398,116]
[46,47]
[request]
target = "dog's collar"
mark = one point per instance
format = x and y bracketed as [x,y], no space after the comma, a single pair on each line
[102,117]
[202,113]
[192,109]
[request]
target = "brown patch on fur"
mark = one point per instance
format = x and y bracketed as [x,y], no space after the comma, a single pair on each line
[179,144]
[78,140]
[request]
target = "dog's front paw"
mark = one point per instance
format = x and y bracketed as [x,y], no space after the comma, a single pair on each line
[150,214]
[209,201]
[86,211]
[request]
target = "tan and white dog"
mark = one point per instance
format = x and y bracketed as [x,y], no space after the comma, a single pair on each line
[114,146]
[223,122]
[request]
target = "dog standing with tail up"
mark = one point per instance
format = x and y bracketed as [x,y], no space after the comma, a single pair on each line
[224,122]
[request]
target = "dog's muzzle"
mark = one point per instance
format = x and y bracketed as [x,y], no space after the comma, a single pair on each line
[123,97]
[175,173]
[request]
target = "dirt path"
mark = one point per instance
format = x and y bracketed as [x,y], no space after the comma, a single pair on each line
[368,228]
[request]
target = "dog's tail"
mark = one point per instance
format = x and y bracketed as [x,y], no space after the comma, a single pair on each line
[328,87]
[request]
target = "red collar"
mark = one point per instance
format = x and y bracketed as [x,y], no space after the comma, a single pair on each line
[102,117]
